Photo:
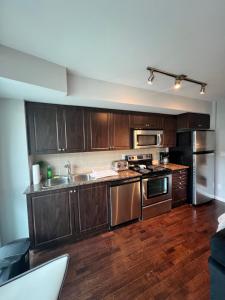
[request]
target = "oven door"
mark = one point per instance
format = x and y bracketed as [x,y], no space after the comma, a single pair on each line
[147,138]
[156,189]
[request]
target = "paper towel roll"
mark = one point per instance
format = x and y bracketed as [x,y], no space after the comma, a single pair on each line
[36,174]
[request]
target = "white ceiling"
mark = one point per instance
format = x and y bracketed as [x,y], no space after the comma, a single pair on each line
[115,40]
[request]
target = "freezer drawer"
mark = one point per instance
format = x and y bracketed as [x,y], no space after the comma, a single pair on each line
[203,177]
[125,202]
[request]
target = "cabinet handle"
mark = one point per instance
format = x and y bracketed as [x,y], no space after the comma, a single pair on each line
[74,191]
[59,149]
[71,191]
[63,149]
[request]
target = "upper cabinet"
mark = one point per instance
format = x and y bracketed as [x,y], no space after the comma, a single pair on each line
[193,121]
[120,131]
[59,128]
[97,128]
[42,128]
[107,130]
[148,121]
[170,127]
[54,128]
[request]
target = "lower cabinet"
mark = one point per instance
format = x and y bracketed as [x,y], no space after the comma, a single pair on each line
[67,215]
[179,187]
[91,209]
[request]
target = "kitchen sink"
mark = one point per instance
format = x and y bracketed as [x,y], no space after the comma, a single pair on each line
[58,180]
[63,180]
[81,177]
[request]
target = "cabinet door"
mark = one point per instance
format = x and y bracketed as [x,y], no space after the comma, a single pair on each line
[169,132]
[42,127]
[149,121]
[98,123]
[51,217]
[193,121]
[120,131]
[199,121]
[92,208]
[74,128]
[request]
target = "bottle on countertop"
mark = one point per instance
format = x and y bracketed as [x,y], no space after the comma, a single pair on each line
[49,172]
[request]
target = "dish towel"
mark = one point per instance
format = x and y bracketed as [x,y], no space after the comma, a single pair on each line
[221,221]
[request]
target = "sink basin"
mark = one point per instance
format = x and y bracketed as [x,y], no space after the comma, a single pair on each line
[81,177]
[56,181]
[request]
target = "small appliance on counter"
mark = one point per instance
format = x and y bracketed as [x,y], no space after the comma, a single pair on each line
[120,165]
[164,158]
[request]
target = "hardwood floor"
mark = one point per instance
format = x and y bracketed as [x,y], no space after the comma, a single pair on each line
[162,258]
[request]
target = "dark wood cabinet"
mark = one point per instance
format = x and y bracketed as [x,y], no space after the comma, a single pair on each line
[120,131]
[50,218]
[54,128]
[179,187]
[193,121]
[98,124]
[92,208]
[107,130]
[148,121]
[169,131]
[74,129]
[42,128]
[67,215]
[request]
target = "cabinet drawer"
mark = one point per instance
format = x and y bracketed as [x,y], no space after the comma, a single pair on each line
[180,194]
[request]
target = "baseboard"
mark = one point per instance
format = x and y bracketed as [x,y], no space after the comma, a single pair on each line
[220,198]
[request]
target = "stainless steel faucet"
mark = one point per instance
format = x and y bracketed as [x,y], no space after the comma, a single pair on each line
[68,167]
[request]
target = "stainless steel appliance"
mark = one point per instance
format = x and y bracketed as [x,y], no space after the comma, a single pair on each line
[164,158]
[156,185]
[125,201]
[197,150]
[147,138]
[120,165]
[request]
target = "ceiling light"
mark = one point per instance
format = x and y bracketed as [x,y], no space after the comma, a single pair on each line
[177,84]
[151,77]
[202,91]
[178,79]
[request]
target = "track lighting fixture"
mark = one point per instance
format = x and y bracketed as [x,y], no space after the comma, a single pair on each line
[178,79]
[151,77]
[177,84]
[202,91]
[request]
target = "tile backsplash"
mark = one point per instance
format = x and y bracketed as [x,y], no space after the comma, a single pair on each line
[85,162]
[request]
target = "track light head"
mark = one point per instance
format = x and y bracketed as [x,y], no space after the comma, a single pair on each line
[203,87]
[151,77]
[177,84]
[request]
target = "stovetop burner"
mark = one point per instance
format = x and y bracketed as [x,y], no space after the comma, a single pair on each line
[143,165]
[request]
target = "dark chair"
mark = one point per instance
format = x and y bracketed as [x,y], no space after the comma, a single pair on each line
[14,259]
[217,266]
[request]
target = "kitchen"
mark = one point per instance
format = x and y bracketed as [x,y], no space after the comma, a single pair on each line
[102,197]
[112,146]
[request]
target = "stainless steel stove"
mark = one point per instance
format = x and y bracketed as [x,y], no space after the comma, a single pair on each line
[156,184]
[142,163]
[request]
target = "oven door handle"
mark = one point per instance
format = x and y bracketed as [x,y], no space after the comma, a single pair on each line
[156,177]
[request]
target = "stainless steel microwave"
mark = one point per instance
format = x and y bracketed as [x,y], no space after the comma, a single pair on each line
[147,138]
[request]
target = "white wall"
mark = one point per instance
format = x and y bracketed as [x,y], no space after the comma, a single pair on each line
[30,69]
[14,172]
[220,151]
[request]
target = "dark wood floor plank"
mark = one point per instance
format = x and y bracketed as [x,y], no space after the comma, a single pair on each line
[162,258]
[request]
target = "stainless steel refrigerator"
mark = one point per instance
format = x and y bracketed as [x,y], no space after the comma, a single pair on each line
[197,150]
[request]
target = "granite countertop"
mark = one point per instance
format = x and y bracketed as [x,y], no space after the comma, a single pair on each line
[32,189]
[174,167]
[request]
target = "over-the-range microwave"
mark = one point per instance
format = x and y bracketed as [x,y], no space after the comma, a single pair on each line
[146,138]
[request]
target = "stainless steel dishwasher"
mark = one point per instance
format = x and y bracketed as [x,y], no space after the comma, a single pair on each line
[125,201]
